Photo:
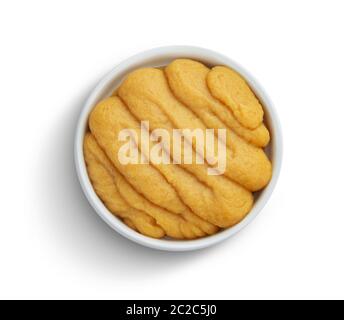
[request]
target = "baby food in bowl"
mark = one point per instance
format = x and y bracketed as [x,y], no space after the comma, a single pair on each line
[178,152]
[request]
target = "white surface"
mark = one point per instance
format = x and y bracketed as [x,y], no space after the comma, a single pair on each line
[52,245]
[157,57]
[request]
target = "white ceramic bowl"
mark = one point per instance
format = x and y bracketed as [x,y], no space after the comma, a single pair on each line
[161,57]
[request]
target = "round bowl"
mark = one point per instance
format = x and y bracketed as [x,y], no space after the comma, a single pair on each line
[161,57]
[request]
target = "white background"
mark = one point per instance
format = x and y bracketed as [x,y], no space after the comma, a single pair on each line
[52,244]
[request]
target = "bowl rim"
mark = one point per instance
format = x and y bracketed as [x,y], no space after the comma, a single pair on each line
[135,61]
